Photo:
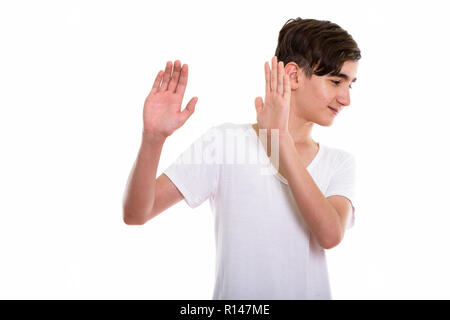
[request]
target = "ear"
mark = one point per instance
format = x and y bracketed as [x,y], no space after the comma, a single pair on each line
[293,71]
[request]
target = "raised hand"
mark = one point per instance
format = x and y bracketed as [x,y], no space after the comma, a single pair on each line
[273,113]
[162,108]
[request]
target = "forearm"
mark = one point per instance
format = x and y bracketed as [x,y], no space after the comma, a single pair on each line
[140,190]
[320,216]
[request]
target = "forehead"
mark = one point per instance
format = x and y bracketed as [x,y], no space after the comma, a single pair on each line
[349,70]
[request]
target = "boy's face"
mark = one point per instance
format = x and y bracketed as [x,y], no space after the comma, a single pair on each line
[313,99]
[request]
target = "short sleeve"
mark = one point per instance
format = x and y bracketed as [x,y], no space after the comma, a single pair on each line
[195,171]
[342,183]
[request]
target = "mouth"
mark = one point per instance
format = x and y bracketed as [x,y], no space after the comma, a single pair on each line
[333,110]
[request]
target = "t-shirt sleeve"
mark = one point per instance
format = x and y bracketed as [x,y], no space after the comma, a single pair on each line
[342,183]
[195,171]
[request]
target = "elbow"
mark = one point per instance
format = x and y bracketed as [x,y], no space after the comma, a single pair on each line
[329,245]
[332,238]
[331,242]
[133,219]
[130,221]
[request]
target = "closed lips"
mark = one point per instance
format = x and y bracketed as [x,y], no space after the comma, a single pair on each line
[332,108]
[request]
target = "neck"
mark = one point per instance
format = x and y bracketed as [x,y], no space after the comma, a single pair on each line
[300,130]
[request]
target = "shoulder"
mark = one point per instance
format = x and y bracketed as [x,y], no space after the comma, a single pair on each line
[226,130]
[215,129]
[230,128]
[231,125]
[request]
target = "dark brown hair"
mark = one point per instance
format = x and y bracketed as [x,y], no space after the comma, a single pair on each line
[318,47]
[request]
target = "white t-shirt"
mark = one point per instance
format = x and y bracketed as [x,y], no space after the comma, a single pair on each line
[264,249]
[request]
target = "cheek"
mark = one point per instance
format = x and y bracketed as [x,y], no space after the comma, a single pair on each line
[324,94]
[315,96]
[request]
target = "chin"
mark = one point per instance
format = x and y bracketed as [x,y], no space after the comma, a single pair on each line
[321,119]
[329,123]
[324,122]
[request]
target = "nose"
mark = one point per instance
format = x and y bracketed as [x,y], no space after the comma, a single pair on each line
[344,97]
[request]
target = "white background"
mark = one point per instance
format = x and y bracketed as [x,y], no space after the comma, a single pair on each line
[73,79]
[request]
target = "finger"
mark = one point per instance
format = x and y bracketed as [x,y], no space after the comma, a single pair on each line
[280,77]
[267,76]
[273,75]
[176,75]
[189,110]
[157,82]
[167,75]
[258,104]
[182,82]
[287,86]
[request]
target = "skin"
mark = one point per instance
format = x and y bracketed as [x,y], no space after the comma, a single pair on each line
[161,117]
[162,108]
[293,103]
[306,104]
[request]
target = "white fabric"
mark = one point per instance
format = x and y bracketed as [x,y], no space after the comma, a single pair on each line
[264,249]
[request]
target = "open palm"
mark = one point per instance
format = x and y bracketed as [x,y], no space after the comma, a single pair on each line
[273,112]
[162,108]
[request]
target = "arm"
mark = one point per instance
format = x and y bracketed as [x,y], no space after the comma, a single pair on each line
[140,191]
[326,217]
[162,116]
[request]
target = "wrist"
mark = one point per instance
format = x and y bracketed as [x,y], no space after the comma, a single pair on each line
[149,137]
[286,141]
[283,135]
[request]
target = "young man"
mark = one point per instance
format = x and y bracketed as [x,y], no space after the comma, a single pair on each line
[271,230]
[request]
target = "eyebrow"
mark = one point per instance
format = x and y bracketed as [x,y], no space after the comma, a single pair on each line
[344,76]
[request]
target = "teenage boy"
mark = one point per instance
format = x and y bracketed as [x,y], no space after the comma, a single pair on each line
[270,229]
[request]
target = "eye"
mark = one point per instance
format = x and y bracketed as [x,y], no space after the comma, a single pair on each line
[337,82]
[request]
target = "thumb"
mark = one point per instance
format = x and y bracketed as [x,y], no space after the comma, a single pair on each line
[189,110]
[258,104]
